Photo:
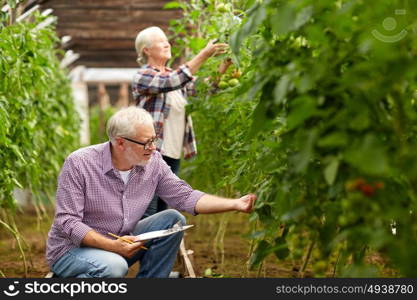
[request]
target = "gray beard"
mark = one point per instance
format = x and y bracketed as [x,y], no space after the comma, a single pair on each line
[143,163]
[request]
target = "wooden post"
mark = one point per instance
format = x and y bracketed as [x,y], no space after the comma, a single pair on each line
[103,103]
[123,100]
[80,95]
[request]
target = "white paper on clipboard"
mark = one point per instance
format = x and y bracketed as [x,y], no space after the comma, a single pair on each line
[160,233]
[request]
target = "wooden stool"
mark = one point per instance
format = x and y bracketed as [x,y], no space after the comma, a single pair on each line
[187,260]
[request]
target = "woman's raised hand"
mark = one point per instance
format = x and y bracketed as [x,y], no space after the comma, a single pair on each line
[214,49]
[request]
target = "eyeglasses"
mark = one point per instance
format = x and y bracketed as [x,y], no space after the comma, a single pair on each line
[148,145]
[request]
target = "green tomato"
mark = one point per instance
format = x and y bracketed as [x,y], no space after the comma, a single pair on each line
[223,85]
[233,82]
[208,272]
[345,203]
[221,8]
[225,77]
[343,220]
[236,73]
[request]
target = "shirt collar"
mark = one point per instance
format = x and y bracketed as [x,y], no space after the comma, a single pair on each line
[107,163]
[152,67]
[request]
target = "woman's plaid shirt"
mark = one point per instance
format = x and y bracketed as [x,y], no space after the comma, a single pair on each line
[150,87]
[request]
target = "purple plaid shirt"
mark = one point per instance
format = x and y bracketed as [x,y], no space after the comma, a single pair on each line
[150,88]
[92,195]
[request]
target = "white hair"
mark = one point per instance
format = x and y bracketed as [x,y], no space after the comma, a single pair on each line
[124,123]
[144,39]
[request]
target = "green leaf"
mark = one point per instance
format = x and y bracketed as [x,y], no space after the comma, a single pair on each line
[281,88]
[260,253]
[360,121]
[334,139]
[303,16]
[18,153]
[288,19]
[17,183]
[283,21]
[301,159]
[330,172]
[257,16]
[262,120]
[281,249]
[302,109]
[293,214]
[368,155]
[173,5]
[196,44]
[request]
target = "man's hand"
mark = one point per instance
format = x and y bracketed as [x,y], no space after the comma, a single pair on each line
[245,203]
[97,240]
[125,249]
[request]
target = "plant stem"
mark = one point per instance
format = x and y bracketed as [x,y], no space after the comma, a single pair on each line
[307,258]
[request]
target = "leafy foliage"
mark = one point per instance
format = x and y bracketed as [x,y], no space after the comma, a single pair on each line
[321,126]
[98,120]
[38,122]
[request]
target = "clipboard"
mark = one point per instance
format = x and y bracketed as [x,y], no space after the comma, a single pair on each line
[161,233]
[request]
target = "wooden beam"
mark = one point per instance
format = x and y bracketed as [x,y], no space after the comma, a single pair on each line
[143,4]
[107,25]
[107,54]
[105,33]
[92,63]
[74,15]
[105,44]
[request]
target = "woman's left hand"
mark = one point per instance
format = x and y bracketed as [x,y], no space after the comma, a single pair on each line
[214,49]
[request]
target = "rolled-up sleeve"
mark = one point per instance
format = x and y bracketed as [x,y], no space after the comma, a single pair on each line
[176,192]
[148,81]
[70,200]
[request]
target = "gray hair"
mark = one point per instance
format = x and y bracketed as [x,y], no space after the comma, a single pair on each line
[124,122]
[144,39]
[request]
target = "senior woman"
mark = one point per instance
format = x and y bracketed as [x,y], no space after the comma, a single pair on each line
[163,92]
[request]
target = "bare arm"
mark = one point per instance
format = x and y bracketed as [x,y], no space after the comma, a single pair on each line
[210,204]
[211,49]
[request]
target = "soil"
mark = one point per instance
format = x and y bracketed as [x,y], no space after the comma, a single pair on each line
[207,257]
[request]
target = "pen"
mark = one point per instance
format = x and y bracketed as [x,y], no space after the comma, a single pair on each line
[125,240]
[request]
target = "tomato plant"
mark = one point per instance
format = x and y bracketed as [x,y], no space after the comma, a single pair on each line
[38,122]
[321,125]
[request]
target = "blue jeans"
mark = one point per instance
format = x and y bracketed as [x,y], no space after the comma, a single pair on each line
[156,262]
[157,204]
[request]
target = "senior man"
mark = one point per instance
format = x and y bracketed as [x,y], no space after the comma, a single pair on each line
[106,188]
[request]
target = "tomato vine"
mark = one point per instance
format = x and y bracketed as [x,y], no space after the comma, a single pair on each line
[38,122]
[321,126]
